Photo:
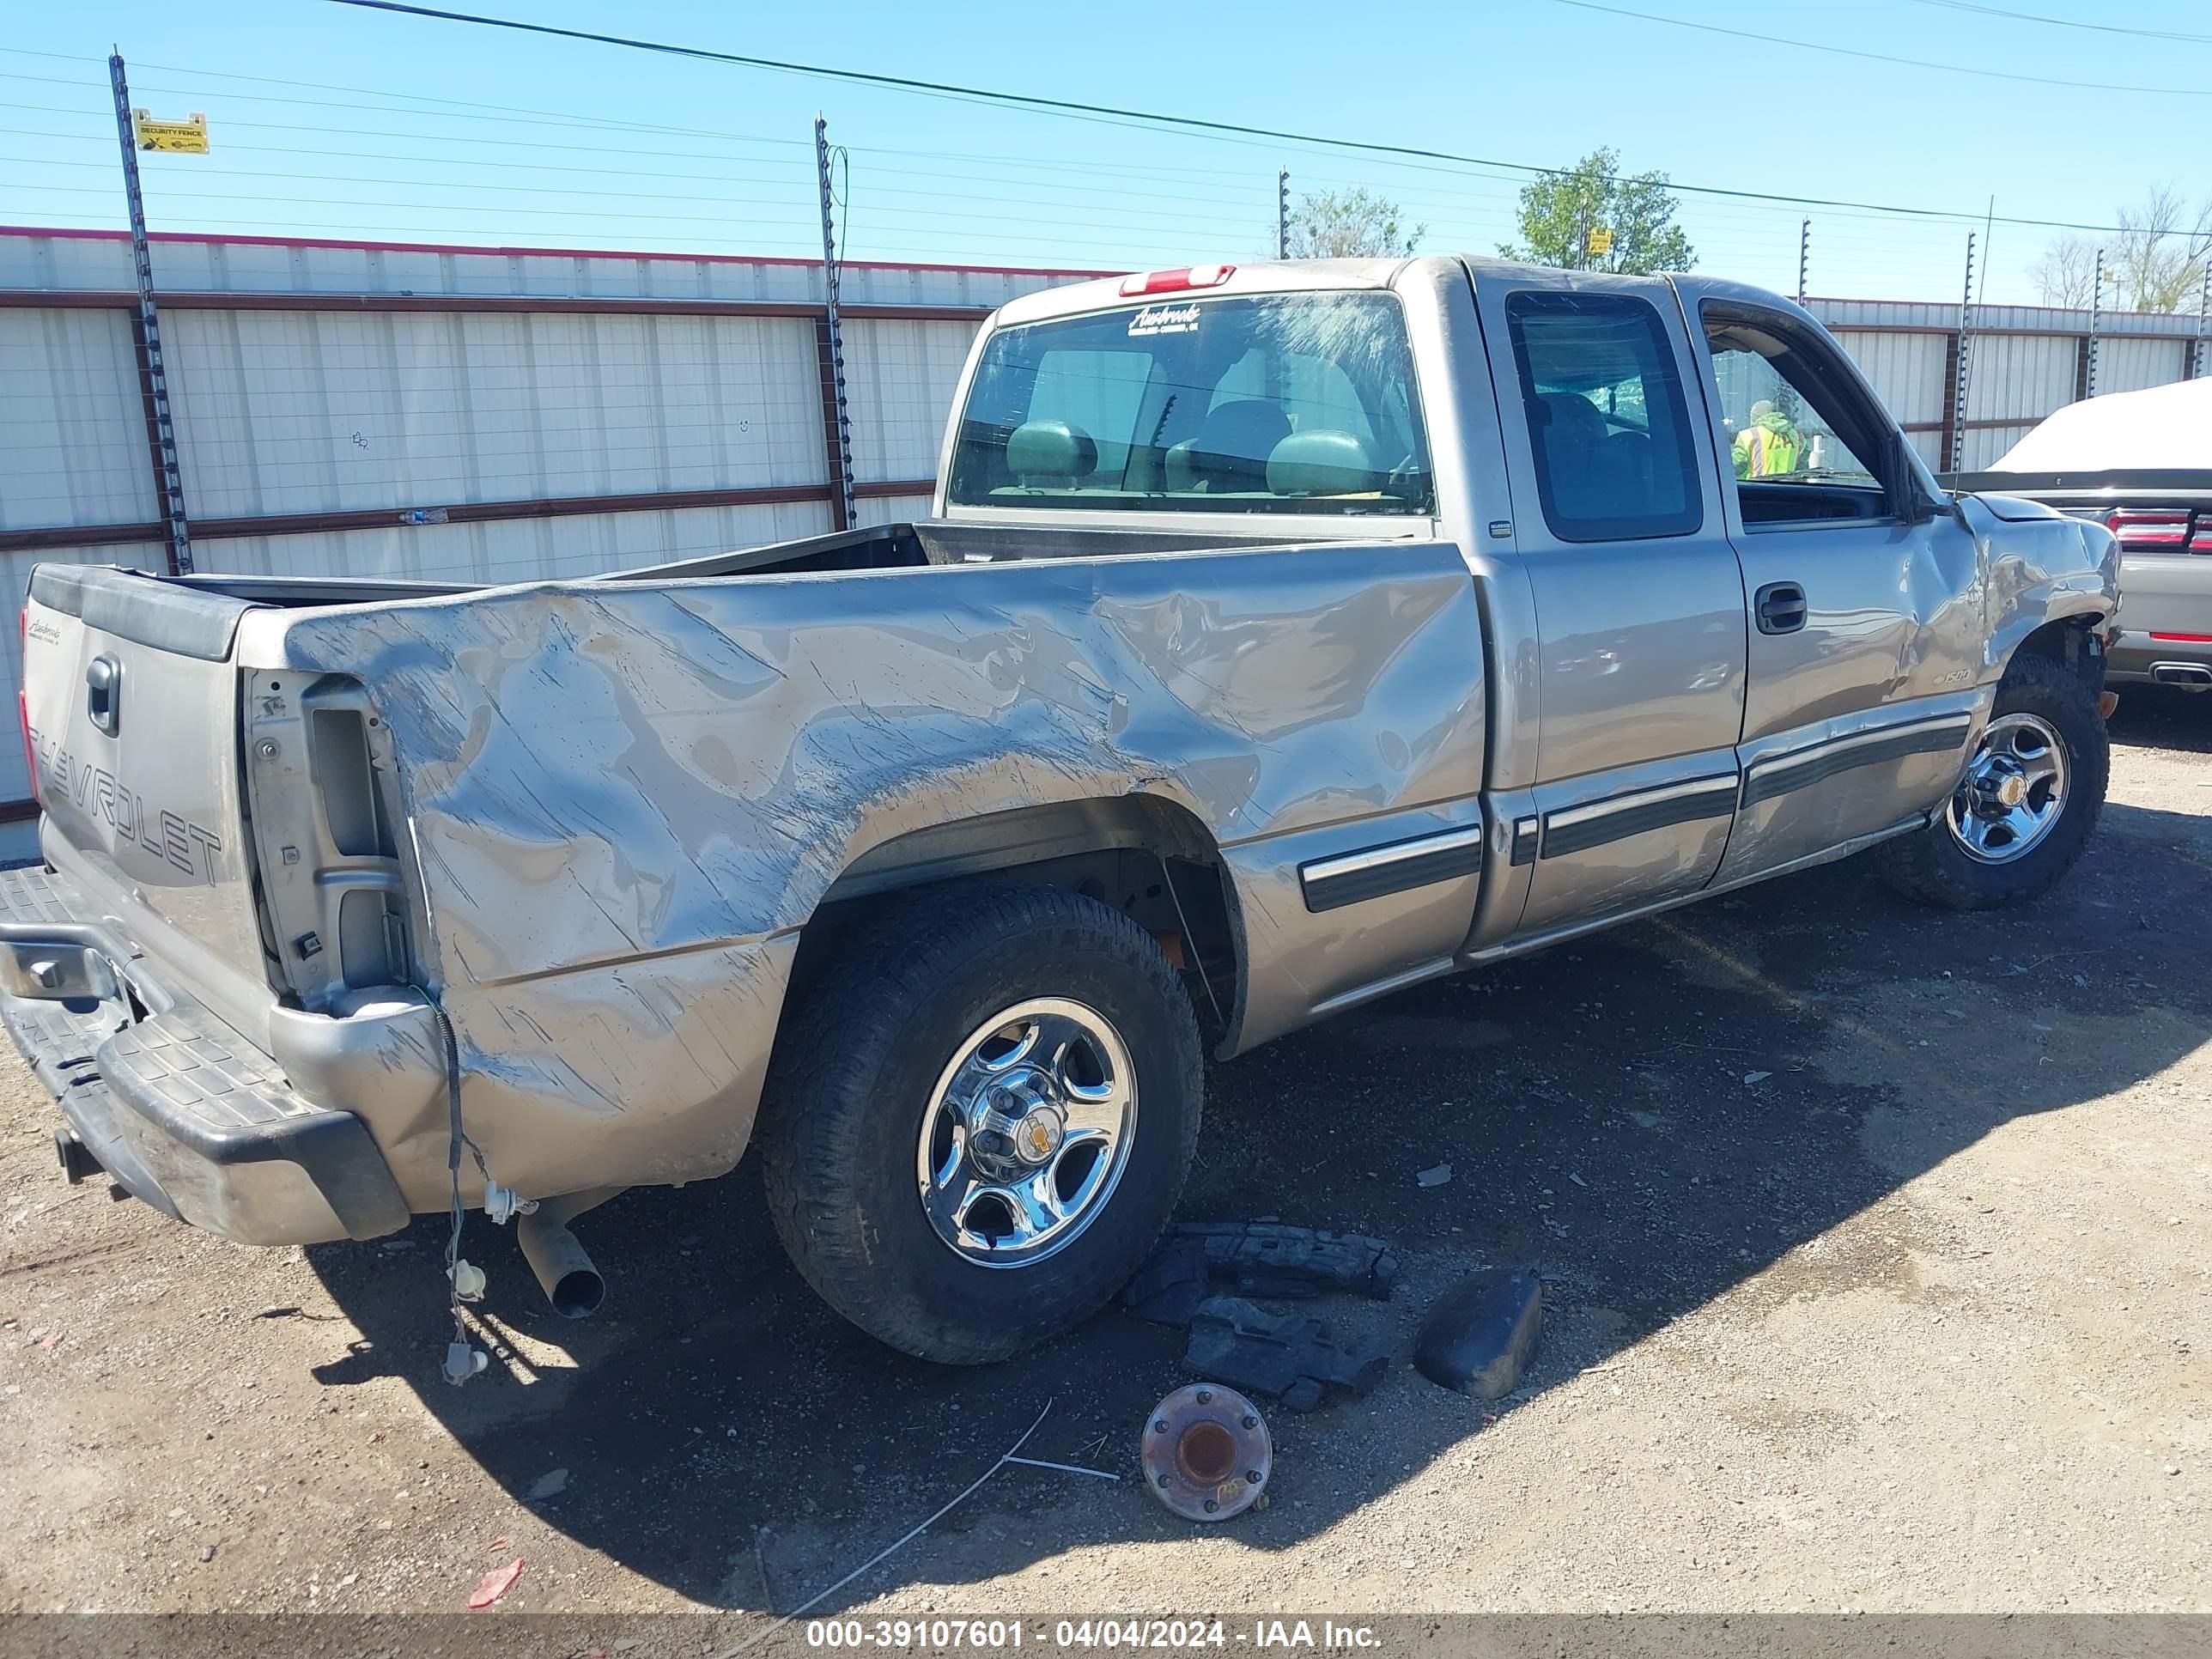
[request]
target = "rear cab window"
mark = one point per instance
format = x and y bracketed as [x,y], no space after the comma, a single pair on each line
[1299,403]
[1608,425]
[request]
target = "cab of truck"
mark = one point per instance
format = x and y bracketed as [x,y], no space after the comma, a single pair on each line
[1735,624]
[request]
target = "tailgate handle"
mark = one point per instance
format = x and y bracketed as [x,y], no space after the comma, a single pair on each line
[103,693]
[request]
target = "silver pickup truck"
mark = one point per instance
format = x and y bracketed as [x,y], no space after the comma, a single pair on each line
[1283,636]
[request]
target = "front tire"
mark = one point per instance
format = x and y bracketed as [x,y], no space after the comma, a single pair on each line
[972,1140]
[2026,804]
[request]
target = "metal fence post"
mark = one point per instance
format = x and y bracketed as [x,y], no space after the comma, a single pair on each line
[1283,214]
[2198,366]
[1955,458]
[837,407]
[2096,323]
[168,473]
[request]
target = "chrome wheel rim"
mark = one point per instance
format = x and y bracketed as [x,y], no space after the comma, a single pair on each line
[1026,1133]
[2013,790]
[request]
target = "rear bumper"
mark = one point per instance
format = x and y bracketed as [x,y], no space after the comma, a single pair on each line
[2136,657]
[178,1109]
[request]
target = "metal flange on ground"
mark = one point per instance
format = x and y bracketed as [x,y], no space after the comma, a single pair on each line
[1206,1453]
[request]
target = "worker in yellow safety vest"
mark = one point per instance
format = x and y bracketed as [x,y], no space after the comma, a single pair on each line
[1768,445]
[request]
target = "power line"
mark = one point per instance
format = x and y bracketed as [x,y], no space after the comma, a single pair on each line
[702,197]
[429,138]
[1118,169]
[1449,205]
[661,173]
[560,116]
[1849,51]
[488,208]
[2066,22]
[511,121]
[1117,260]
[1036,102]
[439,207]
[1151,210]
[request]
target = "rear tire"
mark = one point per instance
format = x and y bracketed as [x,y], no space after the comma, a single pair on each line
[1970,859]
[877,1089]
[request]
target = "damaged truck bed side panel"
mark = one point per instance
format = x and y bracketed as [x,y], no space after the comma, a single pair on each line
[627,801]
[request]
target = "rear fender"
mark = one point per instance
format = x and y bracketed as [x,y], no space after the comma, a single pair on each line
[624,802]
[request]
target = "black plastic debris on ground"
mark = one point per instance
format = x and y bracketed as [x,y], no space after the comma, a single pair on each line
[1480,1334]
[1201,1258]
[1291,1358]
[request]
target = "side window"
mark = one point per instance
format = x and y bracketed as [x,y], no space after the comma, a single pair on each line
[1609,424]
[1802,436]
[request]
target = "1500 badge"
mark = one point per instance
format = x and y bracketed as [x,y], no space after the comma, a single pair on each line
[96,792]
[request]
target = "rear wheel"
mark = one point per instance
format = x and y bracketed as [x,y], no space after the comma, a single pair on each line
[2026,802]
[971,1141]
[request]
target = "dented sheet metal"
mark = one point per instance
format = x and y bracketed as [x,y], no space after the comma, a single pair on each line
[625,800]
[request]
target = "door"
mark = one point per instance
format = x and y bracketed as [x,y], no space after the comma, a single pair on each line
[1638,601]
[1866,603]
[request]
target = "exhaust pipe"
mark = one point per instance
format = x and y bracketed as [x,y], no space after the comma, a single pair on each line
[2193,676]
[564,1270]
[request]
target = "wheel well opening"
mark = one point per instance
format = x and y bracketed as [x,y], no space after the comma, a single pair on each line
[2073,642]
[1146,856]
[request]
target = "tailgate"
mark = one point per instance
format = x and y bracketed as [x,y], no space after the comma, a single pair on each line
[2168,593]
[131,703]
[2165,560]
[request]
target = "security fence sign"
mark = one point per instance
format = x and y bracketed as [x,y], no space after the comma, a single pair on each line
[186,137]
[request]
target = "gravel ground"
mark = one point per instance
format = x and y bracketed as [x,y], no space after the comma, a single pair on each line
[1874,1241]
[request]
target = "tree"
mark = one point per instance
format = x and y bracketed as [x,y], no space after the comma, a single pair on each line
[1560,211]
[1350,224]
[2155,261]
[2066,275]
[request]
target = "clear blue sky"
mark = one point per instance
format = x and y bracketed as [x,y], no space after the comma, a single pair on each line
[730,169]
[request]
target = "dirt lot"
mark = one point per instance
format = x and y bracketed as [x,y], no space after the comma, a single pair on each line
[1875,1241]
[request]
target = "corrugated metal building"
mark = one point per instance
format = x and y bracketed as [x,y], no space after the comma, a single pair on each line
[2021,363]
[555,413]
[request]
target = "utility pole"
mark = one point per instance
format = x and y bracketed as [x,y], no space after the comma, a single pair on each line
[1804,256]
[2096,322]
[168,474]
[1956,460]
[1283,214]
[840,410]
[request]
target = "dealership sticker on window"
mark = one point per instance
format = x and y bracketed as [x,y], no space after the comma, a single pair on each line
[1164,319]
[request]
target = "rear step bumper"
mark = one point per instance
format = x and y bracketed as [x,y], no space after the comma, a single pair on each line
[178,1109]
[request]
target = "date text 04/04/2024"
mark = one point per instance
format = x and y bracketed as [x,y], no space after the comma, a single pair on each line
[1169,1633]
